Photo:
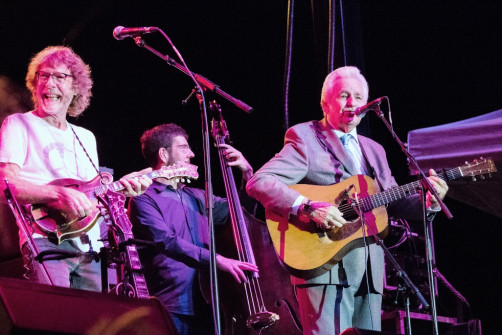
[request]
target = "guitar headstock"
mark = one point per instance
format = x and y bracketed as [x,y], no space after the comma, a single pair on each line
[180,170]
[478,167]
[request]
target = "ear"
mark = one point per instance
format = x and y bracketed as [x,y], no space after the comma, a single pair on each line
[324,106]
[163,156]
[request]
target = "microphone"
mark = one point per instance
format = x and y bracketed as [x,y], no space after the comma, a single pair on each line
[370,106]
[120,32]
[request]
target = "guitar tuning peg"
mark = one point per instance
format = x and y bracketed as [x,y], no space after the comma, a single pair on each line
[188,181]
[474,178]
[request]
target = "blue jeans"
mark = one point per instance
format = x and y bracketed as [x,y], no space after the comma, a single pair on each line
[76,272]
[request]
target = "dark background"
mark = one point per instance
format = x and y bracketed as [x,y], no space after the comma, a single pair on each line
[438,61]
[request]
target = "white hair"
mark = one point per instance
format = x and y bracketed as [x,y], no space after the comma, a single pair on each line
[343,72]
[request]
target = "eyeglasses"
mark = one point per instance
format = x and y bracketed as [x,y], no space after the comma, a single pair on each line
[183,148]
[58,77]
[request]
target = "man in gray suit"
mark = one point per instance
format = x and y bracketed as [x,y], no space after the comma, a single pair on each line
[350,293]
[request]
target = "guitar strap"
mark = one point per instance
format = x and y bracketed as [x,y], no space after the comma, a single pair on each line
[84,238]
[85,151]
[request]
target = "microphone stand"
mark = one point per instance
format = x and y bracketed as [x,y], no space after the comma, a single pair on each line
[25,229]
[201,85]
[427,186]
[410,286]
[199,80]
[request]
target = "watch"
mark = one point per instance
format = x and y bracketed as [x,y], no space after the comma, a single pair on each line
[307,207]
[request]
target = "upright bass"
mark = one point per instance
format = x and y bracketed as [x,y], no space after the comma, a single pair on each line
[246,312]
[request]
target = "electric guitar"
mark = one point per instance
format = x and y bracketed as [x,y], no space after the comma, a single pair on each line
[58,228]
[307,251]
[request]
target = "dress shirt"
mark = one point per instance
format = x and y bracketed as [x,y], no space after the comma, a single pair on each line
[175,220]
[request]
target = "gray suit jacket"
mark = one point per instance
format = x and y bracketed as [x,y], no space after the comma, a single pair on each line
[313,154]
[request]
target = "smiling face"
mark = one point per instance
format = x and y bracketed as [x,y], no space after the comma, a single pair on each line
[53,97]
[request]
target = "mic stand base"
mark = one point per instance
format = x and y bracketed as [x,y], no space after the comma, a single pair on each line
[399,271]
[410,286]
[408,315]
[427,186]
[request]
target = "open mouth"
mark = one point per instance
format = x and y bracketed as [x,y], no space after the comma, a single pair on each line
[52,97]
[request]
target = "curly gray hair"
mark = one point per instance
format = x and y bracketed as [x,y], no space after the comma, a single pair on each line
[81,72]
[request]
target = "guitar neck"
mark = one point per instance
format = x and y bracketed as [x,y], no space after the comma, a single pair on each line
[117,185]
[379,199]
[179,170]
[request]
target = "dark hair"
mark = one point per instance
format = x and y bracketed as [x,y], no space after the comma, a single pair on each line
[158,137]
[81,72]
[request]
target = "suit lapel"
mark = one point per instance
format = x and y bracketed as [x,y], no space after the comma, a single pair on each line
[370,158]
[335,146]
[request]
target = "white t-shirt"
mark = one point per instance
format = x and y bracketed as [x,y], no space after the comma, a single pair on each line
[45,153]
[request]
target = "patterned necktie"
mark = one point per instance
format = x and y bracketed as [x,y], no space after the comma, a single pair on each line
[352,149]
[345,141]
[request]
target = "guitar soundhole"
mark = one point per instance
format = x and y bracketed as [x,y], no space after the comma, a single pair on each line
[349,213]
[74,186]
[352,225]
[351,216]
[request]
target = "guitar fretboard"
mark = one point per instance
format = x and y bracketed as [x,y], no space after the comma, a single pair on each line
[379,199]
[187,171]
[117,185]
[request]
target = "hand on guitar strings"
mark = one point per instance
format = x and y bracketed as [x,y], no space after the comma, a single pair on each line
[135,183]
[235,268]
[236,158]
[325,215]
[73,204]
[441,189]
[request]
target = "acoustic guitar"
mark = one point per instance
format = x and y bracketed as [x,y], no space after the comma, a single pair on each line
[58,228]
[307,251]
